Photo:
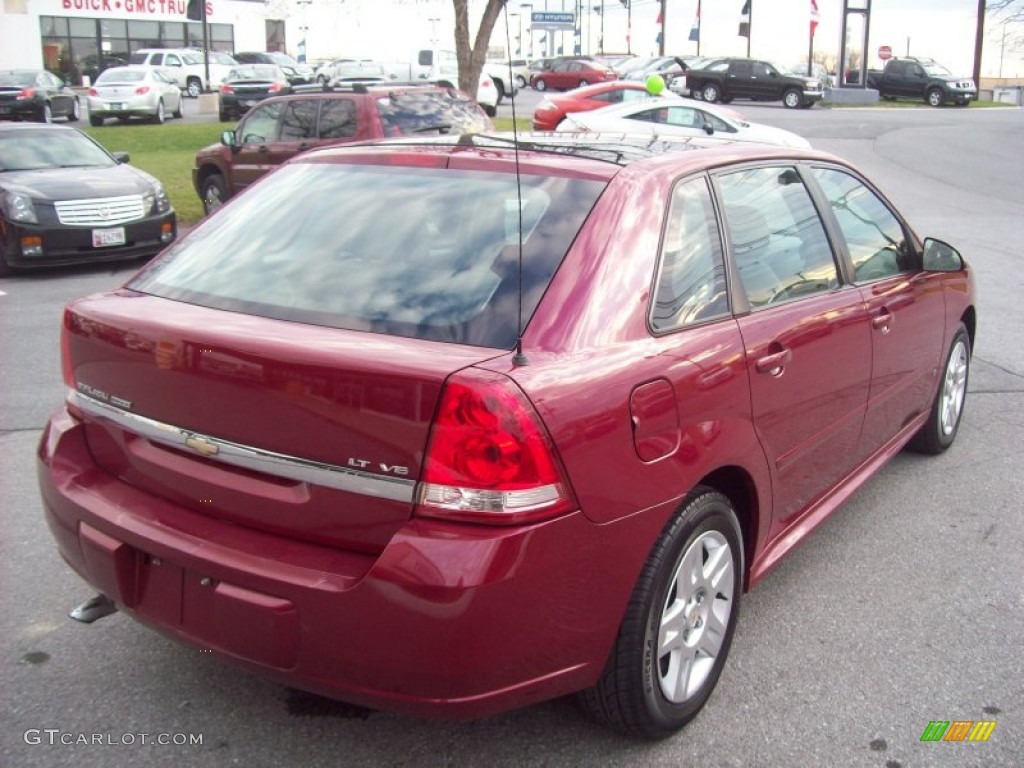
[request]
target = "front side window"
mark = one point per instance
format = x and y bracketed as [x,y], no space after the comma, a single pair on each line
[874,236]
[446,269]
[429,112]
[691,279]
[261,125]
[778,241]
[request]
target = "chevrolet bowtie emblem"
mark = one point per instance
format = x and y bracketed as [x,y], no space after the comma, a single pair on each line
[201,445]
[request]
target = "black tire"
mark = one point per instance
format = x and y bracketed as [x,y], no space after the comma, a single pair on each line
[159,116]
[793,99]
[947,409]
[490,110]
[194,87]
[95,122]
[500,88]
[582,84]
[539,84]
[638,692]
[934,97]
[521,82]
[180,111]
[46,113]
[215,193]
[76,111]
[710,93]
[225,117]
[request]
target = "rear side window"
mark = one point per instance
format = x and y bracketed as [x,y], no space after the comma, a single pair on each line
[323,244]
[299,121]
[338,119]
[778,240]
[429,112]
[691,280]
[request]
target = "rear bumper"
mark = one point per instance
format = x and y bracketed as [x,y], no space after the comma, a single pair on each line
[449,620]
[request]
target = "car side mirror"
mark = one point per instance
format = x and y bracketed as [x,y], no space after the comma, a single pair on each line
[709,129]
[121,157]
[941,257]
[227,138]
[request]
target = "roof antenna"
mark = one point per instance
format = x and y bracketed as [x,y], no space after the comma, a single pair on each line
[519,358]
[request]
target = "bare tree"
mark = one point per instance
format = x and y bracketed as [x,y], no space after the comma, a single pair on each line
[471,58]
[1001,12]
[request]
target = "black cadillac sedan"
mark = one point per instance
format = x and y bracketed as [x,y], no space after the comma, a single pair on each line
[247,84]
[37,95]
[65,200]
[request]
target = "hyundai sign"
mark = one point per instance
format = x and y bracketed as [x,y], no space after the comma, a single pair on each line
[553,20]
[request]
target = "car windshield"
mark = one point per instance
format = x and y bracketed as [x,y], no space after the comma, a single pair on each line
[320,243]
[408,113]
[17,78]
[283,58]
[118,75]
[254,72]
[937,70]
[29,150]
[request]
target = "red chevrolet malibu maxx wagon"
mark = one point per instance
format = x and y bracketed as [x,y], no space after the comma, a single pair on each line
[446,428]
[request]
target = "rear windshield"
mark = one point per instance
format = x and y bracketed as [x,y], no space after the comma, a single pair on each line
[121,76]
[429,112]
[416,252]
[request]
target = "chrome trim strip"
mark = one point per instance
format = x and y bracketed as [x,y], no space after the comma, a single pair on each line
[276,464]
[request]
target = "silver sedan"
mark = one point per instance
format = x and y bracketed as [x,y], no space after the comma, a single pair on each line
[125,92]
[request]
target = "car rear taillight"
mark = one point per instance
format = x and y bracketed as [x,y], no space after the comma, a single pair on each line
[93,92]
[26,93]
[489,458]
[142,90]
[274,87]
[70,389]
[226,89]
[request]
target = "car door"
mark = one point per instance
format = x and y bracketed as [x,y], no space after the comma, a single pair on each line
[805,334]
[254,135]
[737,83]
[904,303]
[562,75]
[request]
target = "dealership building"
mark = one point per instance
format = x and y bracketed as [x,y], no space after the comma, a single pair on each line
[77,39]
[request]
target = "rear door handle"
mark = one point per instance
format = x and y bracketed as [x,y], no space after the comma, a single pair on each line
[773,363]
[882,322]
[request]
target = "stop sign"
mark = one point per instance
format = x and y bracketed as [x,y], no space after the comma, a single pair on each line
[884,52]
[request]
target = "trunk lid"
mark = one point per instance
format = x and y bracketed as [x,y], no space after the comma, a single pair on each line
[309,432]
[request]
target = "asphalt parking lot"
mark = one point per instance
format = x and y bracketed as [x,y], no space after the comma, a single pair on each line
[906,606]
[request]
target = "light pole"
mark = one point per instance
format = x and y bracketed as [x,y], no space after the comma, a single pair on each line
[304,27]
[528,13]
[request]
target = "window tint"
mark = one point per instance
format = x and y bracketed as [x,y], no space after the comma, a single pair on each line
[446,269]
[691,281]
[740,69]
[873,234]
[299,121]
[261,124]
[649,115]
[337,119]
[717,123]
[685,117]
[778,240]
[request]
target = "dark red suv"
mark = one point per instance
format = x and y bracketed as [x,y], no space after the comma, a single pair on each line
[281,127]
[453,425]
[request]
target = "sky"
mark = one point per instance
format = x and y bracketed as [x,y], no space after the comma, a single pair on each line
[392,29]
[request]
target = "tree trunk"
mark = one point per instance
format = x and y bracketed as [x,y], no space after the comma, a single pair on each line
[471,59]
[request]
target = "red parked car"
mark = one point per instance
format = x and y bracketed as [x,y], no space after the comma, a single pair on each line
[571,73]
[521,440]
[553,108]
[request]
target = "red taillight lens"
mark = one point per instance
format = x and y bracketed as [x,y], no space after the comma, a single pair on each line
[93,92]
[489,459]
[226,89]
[142,90]
[26,93]
[70,389]
[275,87]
